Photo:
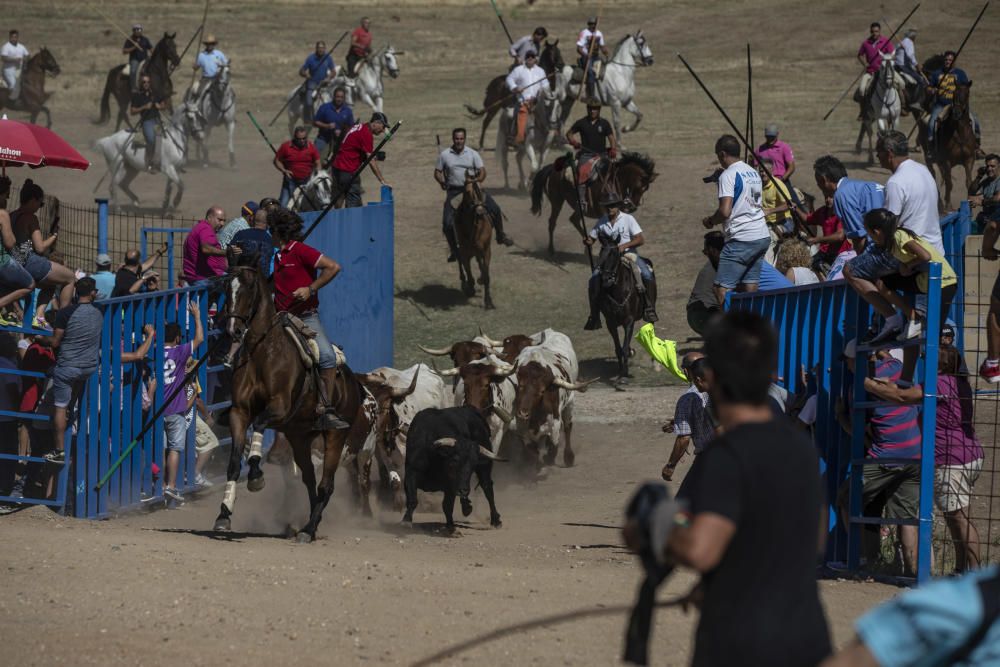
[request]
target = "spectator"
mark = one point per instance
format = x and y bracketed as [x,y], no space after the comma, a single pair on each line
[779,153]
[103,277]
[269,204]
[10,399]
[134,274]
[15,280]
[990,369]
[739,211]
[175,356]
[911,192]
[256,241]
[333,119]
[831,237]
[890,432]
[297,160]
[31,247]
[205,440]
[794,261]
[958,456]
[985,193]
[355,147]
[773,200]
[203,258]
[77,339]
[237,224]
[703,304]
[693,421]
[851,198]
[772,279]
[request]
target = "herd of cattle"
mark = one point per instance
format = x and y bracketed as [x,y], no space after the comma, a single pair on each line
[433,438]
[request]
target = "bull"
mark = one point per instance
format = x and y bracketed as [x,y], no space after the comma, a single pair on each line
[444,448]
[489,386]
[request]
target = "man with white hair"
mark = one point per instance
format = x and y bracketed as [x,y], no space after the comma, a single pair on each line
[910,69]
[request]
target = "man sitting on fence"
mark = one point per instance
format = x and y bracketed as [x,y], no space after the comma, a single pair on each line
[133,274]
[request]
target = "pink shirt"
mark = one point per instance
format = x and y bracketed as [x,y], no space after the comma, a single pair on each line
[871,50]
[780,154]
[955,441]
[198,266]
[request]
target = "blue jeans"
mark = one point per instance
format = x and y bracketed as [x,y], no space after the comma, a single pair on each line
[936,111]
[288,186]
[149,133]
[873,263]
[14,276]
[68,383]
[321,143]
[175,429]
[327,357]
[740,262]
[591,76]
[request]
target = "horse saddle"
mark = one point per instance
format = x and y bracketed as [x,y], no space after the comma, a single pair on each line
[304,339]
[456,201]
[588,170]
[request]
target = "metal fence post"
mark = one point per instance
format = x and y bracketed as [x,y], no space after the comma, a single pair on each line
[928,419]
[102,226]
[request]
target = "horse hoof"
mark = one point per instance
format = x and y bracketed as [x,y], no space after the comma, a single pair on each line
[489,306]
[223,525]
[303,538]
[496,522]
[255,484]
[569,458]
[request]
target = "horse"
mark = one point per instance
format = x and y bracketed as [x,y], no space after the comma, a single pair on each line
[882,106]
[619,300]
[33,96]
[159,65]
[550,60]
[954,142]
[616,89]
[543,120]
[474,232]
[215,106]
[316,192]
[125,159]
[273,388]
[631,175]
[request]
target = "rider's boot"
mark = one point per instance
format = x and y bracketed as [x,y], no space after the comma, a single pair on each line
[581,195]
[328,418]
[594,321]
[502,238]
[449,234]
[648,305]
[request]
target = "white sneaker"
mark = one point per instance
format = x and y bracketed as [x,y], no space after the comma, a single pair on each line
[202,481]
[893,327]
[913,329]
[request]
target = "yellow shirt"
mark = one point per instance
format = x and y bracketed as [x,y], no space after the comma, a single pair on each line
[769,198]
[901,238]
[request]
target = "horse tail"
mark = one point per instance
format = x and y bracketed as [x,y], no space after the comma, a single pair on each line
[538,188]
[109,86]
[473,111]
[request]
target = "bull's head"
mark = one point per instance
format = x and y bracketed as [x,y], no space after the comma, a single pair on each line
[461,352]
[478,377]
[460,459]
[538,390]
[510,346]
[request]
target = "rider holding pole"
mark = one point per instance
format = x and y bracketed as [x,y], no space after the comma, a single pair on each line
[138,48]
[317,70]
[147,107]
[210,62]
[594,139]
[527,81]
[590,40]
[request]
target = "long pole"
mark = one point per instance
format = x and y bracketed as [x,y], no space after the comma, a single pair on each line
[590,49]
[502,24]
[858,77]
[298,90]
[743,139]
[275,152]
[969,34]
[197,33]
[750,132]
[583,219]
[389,134]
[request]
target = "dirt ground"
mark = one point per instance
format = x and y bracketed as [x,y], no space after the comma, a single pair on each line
[159,588]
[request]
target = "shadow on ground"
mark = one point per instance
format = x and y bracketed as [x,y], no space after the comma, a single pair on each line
[434,295]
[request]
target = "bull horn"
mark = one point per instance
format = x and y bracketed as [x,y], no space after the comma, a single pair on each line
[435,352]
[451,372]
[403,393]
[445,442]
[504,416]
[574,386]
[501,368]
[493,343]
[490,455]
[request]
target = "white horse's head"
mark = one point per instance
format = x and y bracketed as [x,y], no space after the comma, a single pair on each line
[645,54]
[389,61]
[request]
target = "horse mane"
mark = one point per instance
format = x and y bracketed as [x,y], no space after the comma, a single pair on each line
[624,39]
[934,63]
[644,162]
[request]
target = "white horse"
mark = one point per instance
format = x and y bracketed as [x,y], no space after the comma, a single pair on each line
[537,138]
[883,106]
[125,159]
[617,88]
[216,106]
[316,192]
[366,85]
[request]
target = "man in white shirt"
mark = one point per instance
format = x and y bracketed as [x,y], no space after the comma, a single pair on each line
[911,192]
[527,81]
[621,226]
[209,61]
[589,52]
[906,64]
[13,54]
[742,220]
[533,42]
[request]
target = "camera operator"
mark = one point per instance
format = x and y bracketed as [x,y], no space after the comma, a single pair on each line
[754,501]
[985,191]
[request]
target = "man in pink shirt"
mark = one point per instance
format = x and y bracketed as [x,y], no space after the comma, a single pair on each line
[781,156]
[870,55]
[204,259]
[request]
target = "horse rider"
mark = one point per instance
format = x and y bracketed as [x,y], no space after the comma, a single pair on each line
[527,82]
[297,160]
[533,42]
[870,55]
[210,61]
[453,164]
[296,285]
[332,120]
[588,45]
[355,147]
[594,141]
[942,84]
[147,107]
[317,70]
[138,48]
[908,66]
[616,224]
[14,55]
[361,46]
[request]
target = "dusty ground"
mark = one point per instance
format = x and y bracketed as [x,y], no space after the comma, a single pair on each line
[157,589]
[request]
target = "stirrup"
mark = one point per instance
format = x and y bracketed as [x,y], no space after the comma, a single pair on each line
[330,421]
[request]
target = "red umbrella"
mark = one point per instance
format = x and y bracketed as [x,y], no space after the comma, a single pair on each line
[36,146]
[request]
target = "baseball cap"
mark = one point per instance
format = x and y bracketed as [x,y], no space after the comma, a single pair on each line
[250,208]
[136,26]
[771,130]
[948,330]
[592,19]
[380,117]
[104,259]
[530,53]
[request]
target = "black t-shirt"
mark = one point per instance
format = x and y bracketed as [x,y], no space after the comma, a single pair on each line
[761,603]
[124,280]
[142,98]
[138,54]
[593,136]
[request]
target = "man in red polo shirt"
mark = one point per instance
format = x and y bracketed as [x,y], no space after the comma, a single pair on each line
[354,149]
[361,45]
[297,160]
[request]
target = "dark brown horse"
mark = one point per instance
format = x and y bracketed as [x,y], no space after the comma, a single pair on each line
[474,233]
[630,176]
[158,68]
[620,301]
[33,96]
[550,60]
[954,143]
[272,388]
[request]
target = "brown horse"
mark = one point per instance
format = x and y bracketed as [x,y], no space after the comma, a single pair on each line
[33,96]
[630,176]
[954,143]
[620,301]
[158,68]
[550,60]
[474,232]
[272,388]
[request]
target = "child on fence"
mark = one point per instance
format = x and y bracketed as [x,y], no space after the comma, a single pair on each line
[175,360]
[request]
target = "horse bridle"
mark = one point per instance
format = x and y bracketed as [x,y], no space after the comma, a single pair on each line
[243,319]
